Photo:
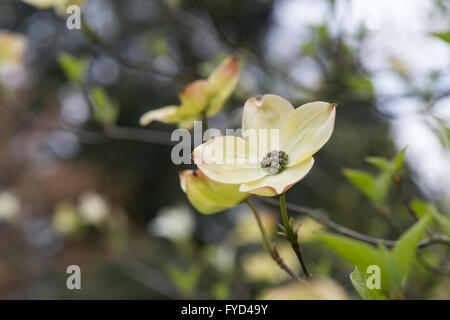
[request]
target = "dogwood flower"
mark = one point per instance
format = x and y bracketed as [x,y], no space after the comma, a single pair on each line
[208,196]
[199,98]
[277,148]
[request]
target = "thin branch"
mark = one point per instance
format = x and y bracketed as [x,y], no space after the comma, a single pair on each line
[93,136]
[268,245]
[191,21]
[443,271]
[435,239]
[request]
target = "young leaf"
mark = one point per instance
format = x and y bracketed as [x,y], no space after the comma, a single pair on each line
[74,68]
[383,182]
[443,221]
[105,110]
[364,182]
[420,208]
[398,160]
[442,35]
[359,282]
[403,252]
[382,163]
[356,252]
[362,255]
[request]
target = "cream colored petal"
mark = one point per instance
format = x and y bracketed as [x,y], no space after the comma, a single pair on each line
[209,196]
[262,120]
[279,183]
[226,71]
[195,98]
[228,159]
[308,128]
[167,114]
[223,80]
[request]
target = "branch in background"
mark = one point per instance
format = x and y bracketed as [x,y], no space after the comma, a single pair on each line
[94,136]
[192,22]
[434,239]
[443,271]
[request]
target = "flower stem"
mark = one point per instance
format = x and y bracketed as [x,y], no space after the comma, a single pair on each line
[292,236]
[268,245]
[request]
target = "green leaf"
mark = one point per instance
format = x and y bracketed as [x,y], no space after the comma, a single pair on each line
[443,221]
[442,35]
[356,252]
[420,208]
[362,255]
[105,110]
[382,163]
[383,183]
[398,160]
[404,251]
[394,278]
[363,181]
[186,281]
[73,68]
[359,281]
[375,188]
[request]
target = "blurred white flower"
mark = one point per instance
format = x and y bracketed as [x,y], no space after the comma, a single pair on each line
[93,208]
[247,230]
[221,257]
[9,206]
[317,289]
[260,266]
[174,223]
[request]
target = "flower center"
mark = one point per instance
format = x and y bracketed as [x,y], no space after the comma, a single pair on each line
[275,161]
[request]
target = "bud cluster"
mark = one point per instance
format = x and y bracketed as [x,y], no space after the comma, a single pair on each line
[275,161]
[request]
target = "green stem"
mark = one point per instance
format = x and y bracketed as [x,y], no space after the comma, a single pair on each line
[284,215]
[266,241]
[268,245]
[292,236]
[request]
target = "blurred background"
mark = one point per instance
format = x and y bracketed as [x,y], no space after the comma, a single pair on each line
[104,195]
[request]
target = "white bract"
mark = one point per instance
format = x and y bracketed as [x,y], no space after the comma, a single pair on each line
[277,148]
